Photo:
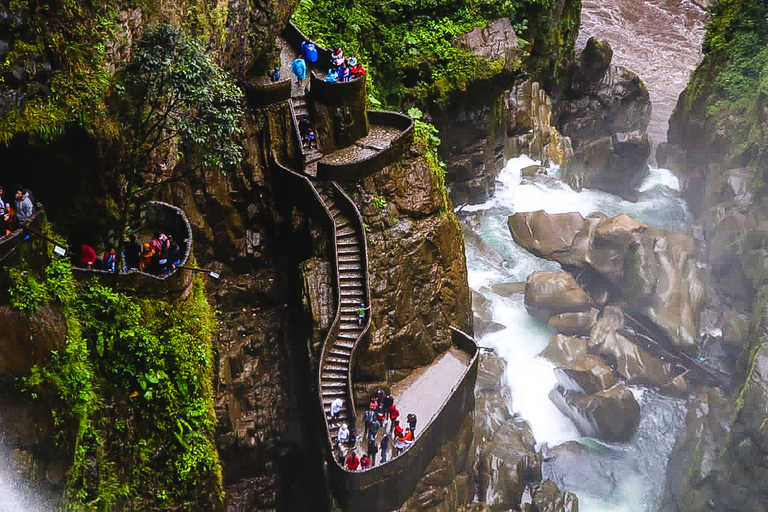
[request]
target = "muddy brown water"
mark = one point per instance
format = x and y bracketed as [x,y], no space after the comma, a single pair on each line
[660,40]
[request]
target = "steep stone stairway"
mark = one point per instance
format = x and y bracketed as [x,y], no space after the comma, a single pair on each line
[301,111]
[335,366]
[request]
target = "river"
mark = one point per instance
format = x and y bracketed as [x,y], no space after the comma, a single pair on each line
[659,40]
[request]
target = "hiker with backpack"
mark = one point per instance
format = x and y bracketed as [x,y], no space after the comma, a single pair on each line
[309,51]
[411,419]
[299,68]
[369,417]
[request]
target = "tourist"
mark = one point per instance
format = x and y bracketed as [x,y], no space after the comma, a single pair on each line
[369,417]
[146,258]
[342,436]
[361,314]
[87,256]
[110,258]
[411,419]
[3,204]
[337,57]
[299,68]
[132,253]
[384,447]
[352,440]
[343,71]
[353,461]
[343,452]
[388,401]
[373,430]
[336,406]
[373,449]
[23,205]
[311,139]
[393,415]
[407,438]
[276,75]
[174,252]
[397,430]
[374,403]
[365,462]
[332,75]
[356,69]
[398,447]
[4,225]
[309,51]
[381,414]
[304,125]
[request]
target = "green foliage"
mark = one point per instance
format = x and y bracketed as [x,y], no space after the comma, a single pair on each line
[407,44]
[80,79]
[425,134]
[134,385]
[380,202]
[27,294]
[175,93]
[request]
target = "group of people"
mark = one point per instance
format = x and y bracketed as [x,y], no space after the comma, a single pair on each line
[160,256]
[13,215]
[343,69]
[382,430]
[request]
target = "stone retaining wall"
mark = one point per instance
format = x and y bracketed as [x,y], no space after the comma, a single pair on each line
[261,93]
[388,486]
[360,169]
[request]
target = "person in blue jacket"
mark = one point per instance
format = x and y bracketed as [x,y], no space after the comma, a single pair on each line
[299,68]
[309,51]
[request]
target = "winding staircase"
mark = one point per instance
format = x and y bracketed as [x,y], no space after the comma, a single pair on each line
[335,364]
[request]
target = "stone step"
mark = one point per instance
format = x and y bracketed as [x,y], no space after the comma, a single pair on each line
[339,351]
[352,292]
[334,376]
[332,394]
[342,223]
[344,343]
[350,267]
[349,254]
[350,283]
[340,361]
[346,230]
[348,240]
[343,368]
[327,384]
[346,328]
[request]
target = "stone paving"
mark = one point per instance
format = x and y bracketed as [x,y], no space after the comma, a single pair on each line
[423,393]
[378,139]
[287,56]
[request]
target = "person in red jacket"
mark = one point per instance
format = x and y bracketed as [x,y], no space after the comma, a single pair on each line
[87,256]
[365,462]
[393,415]
[353,461]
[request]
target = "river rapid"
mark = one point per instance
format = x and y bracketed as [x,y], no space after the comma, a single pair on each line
[660,40]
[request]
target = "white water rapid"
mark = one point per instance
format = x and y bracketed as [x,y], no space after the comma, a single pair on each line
[625,477]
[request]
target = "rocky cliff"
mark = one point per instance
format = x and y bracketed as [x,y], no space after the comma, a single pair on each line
[717,145]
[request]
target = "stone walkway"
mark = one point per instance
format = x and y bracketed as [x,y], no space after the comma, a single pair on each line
[423,393]
[287,56]
[378,139]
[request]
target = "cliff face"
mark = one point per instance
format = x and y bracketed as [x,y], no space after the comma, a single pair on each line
[717,144]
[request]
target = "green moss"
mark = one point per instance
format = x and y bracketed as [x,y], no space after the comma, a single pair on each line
[133,397]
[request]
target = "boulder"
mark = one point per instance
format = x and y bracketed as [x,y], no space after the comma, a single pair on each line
[632,362]
[612,414]
[546,497]
[548,236]
[585,374]
[614,163]
[550,293]
[564,349]
[579,323]
[601,99]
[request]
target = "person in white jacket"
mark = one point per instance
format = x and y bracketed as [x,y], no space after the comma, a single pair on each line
[342,436]
[336,406]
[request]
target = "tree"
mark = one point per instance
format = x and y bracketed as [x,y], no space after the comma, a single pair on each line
[173,96]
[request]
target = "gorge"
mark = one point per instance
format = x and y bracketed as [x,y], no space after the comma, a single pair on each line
[589,279]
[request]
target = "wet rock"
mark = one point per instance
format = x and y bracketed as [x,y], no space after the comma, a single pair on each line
[4,49]
[586,374]
[614,163]
[496,42]
[550,293]
[28,340]
[601,99]
[508,289]
[612,414]
[505,456]
[564,349]
[548,498]
[548,236]
[574,324]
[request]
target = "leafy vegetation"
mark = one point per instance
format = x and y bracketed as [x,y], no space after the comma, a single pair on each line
[727,94]
[134,388]
[426,135]
[408,44]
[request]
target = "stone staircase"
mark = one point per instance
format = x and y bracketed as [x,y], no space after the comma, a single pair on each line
[335,366]
[311,156]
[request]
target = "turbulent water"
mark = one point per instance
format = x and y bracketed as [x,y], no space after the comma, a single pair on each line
[607,477]
[660,40]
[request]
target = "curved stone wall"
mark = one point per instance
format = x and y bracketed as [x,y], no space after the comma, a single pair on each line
[261,92]
[387,486]
[295,37]
[365,167]
[167,218]
[338,112]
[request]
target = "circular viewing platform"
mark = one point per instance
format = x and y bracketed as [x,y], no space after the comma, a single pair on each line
[155,216]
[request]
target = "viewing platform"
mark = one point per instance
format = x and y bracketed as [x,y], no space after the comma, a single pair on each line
[155,216]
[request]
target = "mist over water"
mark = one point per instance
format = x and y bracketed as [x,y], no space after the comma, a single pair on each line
[625,477]
[660,40]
